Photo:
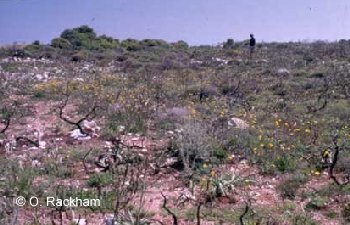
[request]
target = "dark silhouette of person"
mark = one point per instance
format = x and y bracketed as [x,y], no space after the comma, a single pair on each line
[252,43]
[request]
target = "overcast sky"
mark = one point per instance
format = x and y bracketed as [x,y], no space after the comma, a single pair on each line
[195,21]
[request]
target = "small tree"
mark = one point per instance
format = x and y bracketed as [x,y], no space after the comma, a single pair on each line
[61,43]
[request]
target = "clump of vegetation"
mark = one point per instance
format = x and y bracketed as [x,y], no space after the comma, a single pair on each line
[289,187]
[316,203]
[303,220]
[346,212]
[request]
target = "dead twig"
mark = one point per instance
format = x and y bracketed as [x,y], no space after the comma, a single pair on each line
[78,123]
[332,165]
[6,122]
[84,161]
[175,221]
[21,138]
[198,214]
[246,210]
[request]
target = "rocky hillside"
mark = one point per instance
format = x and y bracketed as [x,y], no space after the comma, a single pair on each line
[166,133]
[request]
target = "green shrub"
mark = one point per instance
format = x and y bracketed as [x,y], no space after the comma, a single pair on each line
[219,152]
[194,144]
[104,42]
[316,203]
[61,43]
[346,212]
[285,163]
[290,186]
[80,37]
[134,122]
[100,180]
[131,45]
[303,220]
[17,181]
[152,42]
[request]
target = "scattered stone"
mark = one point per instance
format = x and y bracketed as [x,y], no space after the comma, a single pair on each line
[169,162]
[179,130]
[77,135]
[79,221]
[222,61]
[108,145]
[170,133]
[283,71]
[79,79]
[35,163]
[42,144]
[263,61]
[239,123]
[10,145]
[42,77]
[91,126]
[193,61]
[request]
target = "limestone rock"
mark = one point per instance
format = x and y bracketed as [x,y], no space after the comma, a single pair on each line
[239,123]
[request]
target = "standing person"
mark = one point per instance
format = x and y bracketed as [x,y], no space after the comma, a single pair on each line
[252,43]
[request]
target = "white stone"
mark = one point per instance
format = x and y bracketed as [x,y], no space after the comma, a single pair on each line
[79,221]
[170,132]
[91,126]
[283,71]
[239,123]
[35,163]
[108,145]
[76,134]
[42,144]
[84,138]
[121,128]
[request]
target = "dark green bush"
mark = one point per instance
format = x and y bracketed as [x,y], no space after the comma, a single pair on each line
[61,43]
[131,45]
[152,42]
[285,163]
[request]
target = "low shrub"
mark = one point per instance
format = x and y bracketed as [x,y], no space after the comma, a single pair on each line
[289,187]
